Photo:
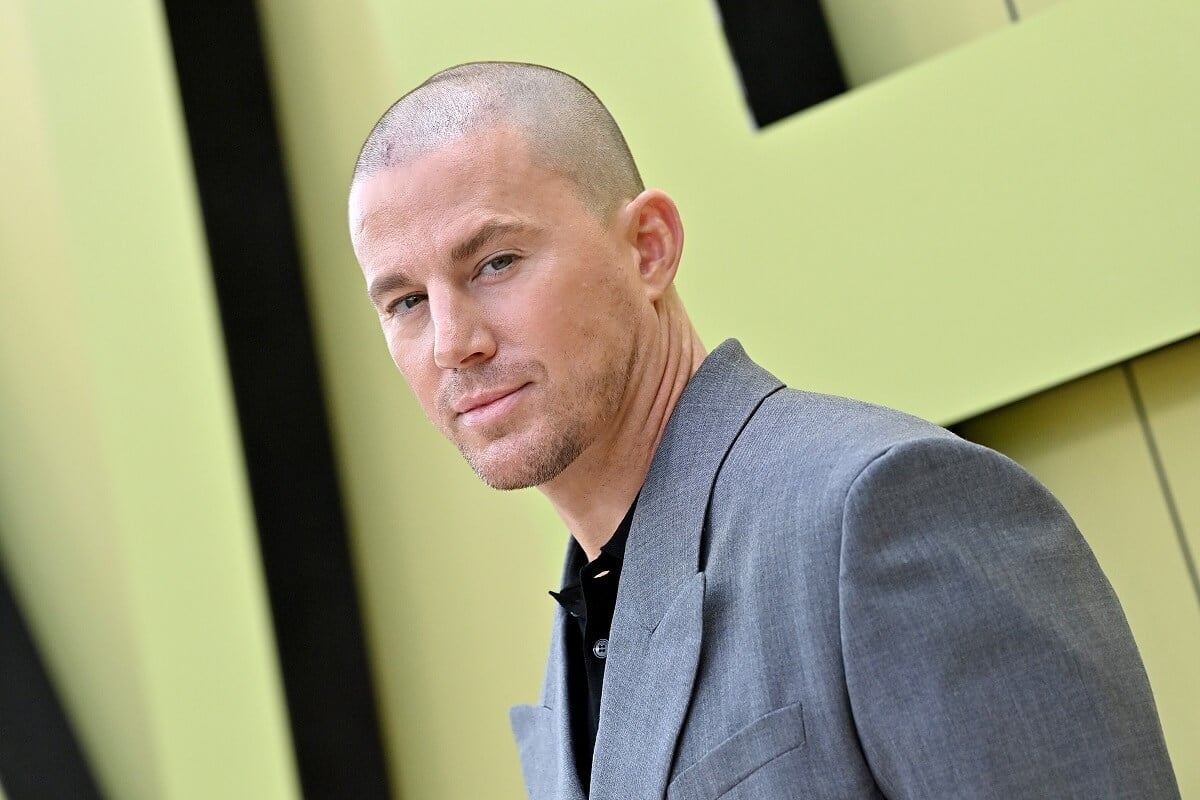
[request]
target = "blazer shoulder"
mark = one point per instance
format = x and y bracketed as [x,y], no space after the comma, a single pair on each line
[799,455]
[827,431]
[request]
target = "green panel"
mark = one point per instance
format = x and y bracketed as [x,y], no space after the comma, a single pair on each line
[878,37]
[964,233]
[125,526]
[945,240]
[1169,381]
[1084,440]
[1027,8]
[72,584]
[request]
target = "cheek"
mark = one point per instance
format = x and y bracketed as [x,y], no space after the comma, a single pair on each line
[419,373]
[564,309]
[424,387]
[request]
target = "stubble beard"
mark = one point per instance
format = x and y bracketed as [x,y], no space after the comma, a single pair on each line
[567,428]
[542,461]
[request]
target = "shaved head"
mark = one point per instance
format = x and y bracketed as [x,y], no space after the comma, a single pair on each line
[566,127]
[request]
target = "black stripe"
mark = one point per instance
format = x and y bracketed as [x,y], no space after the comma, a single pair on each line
[39,756]
[301,525]
[784,54]
[1160,472]
[1013,14]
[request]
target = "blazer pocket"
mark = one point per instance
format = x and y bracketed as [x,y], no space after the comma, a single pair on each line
[741,755]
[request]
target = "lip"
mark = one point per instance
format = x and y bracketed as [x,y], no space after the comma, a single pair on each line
[483,407]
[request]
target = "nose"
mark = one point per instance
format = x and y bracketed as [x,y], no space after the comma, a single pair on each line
[461,337]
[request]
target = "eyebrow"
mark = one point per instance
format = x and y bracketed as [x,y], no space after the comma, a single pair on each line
[383,286]
[493,229]
[486,233]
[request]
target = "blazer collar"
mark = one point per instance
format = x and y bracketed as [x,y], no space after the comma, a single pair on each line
[663,549]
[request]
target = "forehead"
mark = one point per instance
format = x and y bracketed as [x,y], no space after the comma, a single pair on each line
[482,175]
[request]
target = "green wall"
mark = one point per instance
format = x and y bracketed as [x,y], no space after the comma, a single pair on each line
[125,527]
[994,210]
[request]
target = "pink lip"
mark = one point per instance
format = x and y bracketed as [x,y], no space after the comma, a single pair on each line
[483,407]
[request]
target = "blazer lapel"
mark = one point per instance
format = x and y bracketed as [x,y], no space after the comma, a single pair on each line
[654,644]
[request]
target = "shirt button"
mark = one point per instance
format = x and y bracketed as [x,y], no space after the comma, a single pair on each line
[600,648]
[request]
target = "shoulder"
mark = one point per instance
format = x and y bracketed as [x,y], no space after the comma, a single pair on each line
[826,437]
[790,472]
[779,448]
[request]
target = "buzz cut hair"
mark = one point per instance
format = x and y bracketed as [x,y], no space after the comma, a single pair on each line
[565,126]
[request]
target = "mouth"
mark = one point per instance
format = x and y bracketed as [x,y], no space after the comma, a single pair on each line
[487,407]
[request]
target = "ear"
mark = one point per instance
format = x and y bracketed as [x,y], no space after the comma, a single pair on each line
[656,234]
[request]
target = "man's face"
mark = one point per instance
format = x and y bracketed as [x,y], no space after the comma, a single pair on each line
[510,307]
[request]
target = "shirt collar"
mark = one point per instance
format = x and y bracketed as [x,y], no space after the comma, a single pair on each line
[612,555]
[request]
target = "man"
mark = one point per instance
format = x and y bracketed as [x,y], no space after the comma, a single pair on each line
[769,593]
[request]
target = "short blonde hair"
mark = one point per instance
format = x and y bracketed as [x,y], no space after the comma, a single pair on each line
[565,125]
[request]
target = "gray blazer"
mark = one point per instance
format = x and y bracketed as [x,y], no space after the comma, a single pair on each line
[821,598]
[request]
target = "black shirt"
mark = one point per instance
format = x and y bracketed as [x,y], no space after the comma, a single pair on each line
[590,600]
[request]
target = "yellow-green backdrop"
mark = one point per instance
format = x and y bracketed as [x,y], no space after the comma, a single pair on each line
[994,209]
[125,525]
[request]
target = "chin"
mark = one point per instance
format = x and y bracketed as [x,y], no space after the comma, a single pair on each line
[506,482]
[520,465]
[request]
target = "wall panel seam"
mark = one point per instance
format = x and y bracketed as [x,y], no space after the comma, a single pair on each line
[1160,472]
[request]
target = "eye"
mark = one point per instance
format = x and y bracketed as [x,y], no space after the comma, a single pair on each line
[497,264]
[406,303]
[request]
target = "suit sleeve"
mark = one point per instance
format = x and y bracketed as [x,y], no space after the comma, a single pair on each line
[986,655]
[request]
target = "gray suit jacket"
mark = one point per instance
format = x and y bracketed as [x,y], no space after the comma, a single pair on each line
[821,598]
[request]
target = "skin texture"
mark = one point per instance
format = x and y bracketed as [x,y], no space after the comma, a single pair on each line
[545,341]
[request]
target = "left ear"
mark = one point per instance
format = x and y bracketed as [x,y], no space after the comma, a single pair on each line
[656,234]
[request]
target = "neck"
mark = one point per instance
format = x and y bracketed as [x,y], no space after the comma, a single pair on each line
[592,495]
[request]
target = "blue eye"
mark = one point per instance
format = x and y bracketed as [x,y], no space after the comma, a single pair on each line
[497,264]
